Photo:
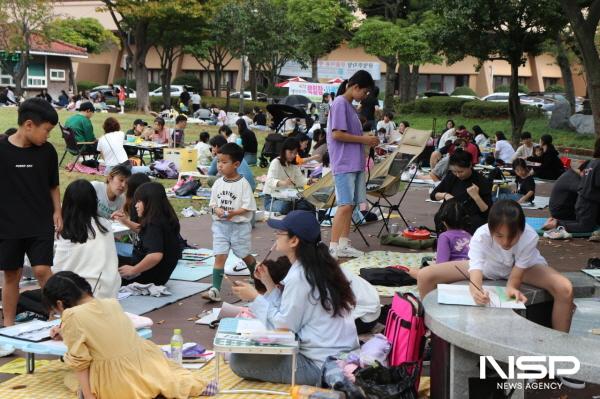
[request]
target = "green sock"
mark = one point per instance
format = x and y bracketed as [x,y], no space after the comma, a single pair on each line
[252,267]
[217,279]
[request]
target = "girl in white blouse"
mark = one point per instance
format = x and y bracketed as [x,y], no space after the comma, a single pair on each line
[505,248]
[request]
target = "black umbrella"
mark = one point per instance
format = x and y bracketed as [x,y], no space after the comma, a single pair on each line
[295,100]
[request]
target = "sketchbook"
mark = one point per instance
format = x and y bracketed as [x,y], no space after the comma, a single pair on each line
[34,331]
[453,294]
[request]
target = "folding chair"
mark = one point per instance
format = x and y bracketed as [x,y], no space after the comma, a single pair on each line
[79,149]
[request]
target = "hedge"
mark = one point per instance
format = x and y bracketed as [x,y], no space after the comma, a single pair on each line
[463,91]
[487,109]
[157,102]
[555,89]
[434,105]
[506,89]
[188,79]
[87,85]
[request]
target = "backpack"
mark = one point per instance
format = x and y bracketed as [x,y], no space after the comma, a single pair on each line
[165,169]
[405,329]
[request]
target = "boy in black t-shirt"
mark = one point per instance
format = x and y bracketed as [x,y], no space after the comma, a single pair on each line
[30,211]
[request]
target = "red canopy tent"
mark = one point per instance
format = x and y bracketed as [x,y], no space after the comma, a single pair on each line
[336,80]
[285,83]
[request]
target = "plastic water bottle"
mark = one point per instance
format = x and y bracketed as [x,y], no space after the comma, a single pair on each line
[177,346]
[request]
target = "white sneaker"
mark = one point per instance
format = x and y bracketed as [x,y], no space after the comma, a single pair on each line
[349,252]
[238,268]
[212,295]
[333,252]
[558,233]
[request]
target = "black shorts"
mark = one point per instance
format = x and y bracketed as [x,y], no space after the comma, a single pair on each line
[39,250]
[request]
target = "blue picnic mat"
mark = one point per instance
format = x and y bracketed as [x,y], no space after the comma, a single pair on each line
[179,289]
[184,271]
[537,224]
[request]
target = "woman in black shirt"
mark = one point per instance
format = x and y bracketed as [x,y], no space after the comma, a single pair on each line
[468,186]
[158,248]
[249,142]
[551,166]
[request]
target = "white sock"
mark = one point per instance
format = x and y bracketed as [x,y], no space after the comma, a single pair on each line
[344,242]
[333,245]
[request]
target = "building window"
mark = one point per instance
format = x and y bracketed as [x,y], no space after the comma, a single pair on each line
[154,76]
[550,82]
[36,75]
[444,83]
[57,75]
[209,84]
[505,81]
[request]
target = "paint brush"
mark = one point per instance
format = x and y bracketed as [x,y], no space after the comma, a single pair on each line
[474,285]
[96,285]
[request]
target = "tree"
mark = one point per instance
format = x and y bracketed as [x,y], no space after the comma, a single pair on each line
[560,47]
[498,30]
[322,25]
[21,22]
[584,17]
[83,32]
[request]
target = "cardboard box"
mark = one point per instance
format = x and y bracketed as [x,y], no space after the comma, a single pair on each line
[185,159]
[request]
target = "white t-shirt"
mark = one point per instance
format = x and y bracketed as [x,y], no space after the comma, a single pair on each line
[97,255]
[204,153]
[504,150]
[450,134]
[368,306]
[389,127]
[111,147]
[196,99]
[231,195]
[495,262]
[106,207]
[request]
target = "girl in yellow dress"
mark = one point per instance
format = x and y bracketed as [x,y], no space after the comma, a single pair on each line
[109,358]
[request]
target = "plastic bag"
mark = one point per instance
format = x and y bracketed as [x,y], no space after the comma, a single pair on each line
[333,377]
[380,382]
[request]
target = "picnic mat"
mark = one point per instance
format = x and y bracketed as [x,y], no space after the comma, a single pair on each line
[537,224]
[81,168]
[384,259]
[595,273]
[187,271]
[19,366]
[538,203]
[138,304]
[48,382]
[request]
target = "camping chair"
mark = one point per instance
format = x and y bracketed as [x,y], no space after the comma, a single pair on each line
[322,195]
[79,149]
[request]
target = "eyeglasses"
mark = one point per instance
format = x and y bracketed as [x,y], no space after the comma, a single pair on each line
[281,233]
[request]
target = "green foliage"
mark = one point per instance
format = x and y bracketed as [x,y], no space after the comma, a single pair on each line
[87,85]
[487,109]
[377,37]
[157,102]
[84,32]
[463,91]
[433,105]
[189,79]
[506,89]
[121,82]
[555,89]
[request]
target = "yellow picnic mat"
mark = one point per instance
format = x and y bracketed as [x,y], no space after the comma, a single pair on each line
[18,366]
[48,382]
[384,259]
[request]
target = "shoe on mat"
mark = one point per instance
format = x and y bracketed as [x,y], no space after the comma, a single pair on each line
[349,252]
[558,233]
[595,236]
[238,268]
[212,295]
[333,252]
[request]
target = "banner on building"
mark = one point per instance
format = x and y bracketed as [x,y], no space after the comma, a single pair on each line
[333,69]
[314,91]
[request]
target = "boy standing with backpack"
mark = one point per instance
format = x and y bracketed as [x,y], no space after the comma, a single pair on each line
[30,213]
[232,203]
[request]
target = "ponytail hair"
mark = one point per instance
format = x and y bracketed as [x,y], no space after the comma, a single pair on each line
[361,78]
[328,283]
[67,287]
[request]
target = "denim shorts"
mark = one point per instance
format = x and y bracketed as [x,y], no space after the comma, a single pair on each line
[350,188]
[234,236]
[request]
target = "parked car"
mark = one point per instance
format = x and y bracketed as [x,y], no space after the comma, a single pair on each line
[176,91]
[501,97]
[248,95]
[107,92]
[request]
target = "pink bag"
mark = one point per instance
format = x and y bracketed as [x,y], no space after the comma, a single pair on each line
[405,329]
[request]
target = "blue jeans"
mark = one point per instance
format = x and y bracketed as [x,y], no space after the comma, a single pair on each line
[284,206]
[275,368]
[250,158]
[505,195]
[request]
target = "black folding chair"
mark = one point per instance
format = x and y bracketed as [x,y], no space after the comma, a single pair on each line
[80,149]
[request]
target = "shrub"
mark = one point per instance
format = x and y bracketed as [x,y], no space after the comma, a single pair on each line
[506,89]
[555,89]
[404,108]
[157,102]
[434,105]
[86,85]
[189,79]
[487,109]
[463,91]
[121,82]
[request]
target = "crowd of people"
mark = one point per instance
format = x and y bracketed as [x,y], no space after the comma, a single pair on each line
[305,291]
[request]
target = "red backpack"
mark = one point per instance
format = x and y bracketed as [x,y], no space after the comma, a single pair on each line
[405,330]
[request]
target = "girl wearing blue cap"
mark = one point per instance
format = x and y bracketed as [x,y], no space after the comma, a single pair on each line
[315,303]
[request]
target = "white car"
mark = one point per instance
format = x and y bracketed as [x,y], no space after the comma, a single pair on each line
[501,97]
[107,92]
[176,91]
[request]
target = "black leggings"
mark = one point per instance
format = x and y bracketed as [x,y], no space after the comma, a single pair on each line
[587,215]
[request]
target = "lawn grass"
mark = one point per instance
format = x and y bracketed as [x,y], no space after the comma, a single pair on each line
[8,119]
[537,127]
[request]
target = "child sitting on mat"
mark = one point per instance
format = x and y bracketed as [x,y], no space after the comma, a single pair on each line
[158,248]
[109,358]
[505,248]
[453,244]
[232,203]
